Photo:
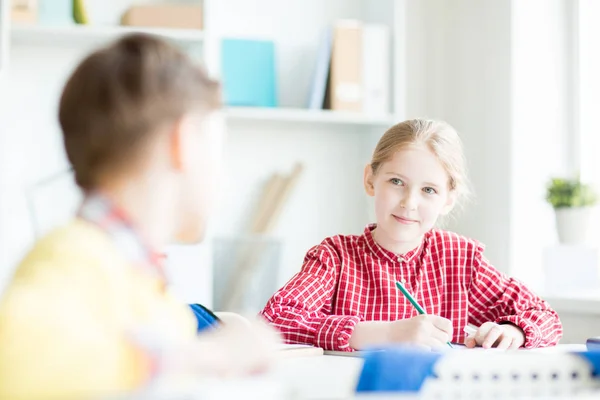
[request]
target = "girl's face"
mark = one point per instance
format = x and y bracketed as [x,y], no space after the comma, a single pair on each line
[411,191]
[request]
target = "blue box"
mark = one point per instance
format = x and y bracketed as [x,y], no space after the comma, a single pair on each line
[248,73]
[55,12]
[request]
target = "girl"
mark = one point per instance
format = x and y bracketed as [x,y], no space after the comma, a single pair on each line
[345,298]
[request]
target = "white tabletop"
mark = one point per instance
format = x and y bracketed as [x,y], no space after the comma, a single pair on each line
[336,377]
[320,377]
[316,377]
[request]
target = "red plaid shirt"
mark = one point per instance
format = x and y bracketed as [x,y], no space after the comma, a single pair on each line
[347,279]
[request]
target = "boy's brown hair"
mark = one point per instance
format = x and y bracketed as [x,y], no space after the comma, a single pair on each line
[120,95]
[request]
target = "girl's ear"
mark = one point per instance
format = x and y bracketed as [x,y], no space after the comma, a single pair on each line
[368,180]
[450,202]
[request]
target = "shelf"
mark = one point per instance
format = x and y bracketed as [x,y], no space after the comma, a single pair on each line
[297,115]
[77,34]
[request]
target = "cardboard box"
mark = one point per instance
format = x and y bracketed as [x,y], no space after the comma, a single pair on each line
[180,16]
[24,11]
[345,78]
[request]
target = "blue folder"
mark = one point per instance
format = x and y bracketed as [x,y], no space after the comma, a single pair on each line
[248,73]
[205,318]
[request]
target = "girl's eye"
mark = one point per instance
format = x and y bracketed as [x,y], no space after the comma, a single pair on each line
[396,181]
[429,190]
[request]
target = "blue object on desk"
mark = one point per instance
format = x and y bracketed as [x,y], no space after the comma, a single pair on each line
[248,72]
[593,358]
[206,319]
[593,343]
[397,369]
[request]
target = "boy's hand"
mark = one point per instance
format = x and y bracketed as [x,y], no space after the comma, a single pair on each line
[231,350]
[248,348]
[429,331]
[490,334]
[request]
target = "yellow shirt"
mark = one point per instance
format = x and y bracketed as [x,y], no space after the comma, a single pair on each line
[71,319]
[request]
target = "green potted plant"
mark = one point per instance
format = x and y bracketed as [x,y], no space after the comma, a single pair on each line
[572,201]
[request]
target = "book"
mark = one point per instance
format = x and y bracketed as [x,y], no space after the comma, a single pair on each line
[248,72]
[345,80]
[376,61]
[320,78]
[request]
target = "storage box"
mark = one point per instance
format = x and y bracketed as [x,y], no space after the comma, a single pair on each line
[180,16]
[24,11]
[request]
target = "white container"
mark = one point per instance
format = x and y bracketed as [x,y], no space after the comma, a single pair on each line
[245,272]
[573,224]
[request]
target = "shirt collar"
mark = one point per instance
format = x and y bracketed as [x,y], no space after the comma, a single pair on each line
[101,211]
[380,252]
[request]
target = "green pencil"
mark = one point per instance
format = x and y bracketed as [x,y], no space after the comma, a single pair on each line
[413,302]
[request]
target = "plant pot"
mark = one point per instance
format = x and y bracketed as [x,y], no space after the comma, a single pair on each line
[572,224]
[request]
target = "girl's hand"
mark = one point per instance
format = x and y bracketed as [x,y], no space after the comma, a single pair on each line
[426,331]
[429,331]
[490,334]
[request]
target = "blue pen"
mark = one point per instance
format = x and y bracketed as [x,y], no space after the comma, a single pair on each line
[414,302]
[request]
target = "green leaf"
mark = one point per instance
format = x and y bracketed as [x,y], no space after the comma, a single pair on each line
[562,192]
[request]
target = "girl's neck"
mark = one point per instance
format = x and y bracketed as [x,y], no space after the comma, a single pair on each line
[395,247]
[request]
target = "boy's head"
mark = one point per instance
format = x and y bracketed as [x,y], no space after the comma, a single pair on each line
[417,173]
[141,109]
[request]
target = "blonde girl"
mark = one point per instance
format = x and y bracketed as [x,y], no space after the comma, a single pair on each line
[345,298]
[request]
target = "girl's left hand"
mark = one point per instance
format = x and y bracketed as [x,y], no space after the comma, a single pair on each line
[490,334]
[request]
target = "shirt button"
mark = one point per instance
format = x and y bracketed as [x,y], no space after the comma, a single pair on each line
[400,259]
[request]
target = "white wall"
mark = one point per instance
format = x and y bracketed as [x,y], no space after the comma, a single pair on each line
[498,72]
[542,125]
[32,148]
[459,69]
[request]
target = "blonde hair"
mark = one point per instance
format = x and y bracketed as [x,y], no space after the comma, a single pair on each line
[438,136]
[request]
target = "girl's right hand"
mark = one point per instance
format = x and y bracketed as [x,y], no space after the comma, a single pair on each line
[428,331]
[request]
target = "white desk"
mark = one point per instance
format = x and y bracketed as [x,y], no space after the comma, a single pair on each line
[313,377]
[320,377]
[336,377]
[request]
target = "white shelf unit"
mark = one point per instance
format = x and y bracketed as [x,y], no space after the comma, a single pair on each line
[80,34]
[297,115]
[333,146]
[205,47]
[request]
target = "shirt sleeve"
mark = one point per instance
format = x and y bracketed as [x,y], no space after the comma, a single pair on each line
[493,296]
[301,310]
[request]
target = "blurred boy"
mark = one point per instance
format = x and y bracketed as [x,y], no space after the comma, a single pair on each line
[88,312]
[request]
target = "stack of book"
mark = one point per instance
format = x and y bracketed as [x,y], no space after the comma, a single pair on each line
[352,71]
